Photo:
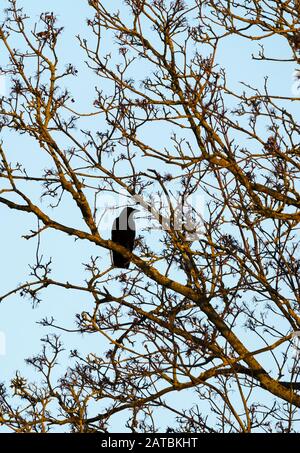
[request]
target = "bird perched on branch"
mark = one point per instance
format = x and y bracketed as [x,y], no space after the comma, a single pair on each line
[123,233]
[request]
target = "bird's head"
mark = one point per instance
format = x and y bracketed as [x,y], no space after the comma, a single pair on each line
[126,218]
[131,210]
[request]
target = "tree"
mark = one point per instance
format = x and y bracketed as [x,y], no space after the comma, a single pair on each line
[210,305]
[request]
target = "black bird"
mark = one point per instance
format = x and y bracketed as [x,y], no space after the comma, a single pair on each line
[123,233]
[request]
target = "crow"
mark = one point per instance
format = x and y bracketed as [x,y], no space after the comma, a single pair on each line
[123,233]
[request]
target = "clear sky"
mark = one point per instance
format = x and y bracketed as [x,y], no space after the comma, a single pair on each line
[18,320]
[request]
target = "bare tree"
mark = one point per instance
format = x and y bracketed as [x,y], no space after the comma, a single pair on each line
[210,305]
